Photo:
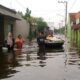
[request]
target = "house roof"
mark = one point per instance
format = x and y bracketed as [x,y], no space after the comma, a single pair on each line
[74,16]
[9,12]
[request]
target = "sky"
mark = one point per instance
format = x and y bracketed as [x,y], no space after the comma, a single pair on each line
[49,10]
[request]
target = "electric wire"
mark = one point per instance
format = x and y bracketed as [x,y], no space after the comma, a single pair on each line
[72,5]
[21,5]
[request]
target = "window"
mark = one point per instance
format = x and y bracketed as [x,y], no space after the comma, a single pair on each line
[77,21]
[10,27]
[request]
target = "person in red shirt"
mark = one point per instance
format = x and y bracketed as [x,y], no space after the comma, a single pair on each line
[19,41]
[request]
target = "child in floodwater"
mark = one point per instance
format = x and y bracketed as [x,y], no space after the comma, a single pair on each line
[19,41]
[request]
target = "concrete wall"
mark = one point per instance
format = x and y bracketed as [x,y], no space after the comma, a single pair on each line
[21,27]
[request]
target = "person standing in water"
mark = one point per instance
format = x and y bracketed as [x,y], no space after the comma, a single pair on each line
[19,41]
[41,42]
[10,42]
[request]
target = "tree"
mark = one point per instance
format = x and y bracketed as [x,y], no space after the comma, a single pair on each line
[27,17]
[59,31]
[41,24]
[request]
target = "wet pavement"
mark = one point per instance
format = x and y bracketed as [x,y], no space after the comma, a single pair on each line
[32,65]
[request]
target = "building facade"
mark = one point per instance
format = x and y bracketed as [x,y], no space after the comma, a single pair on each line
[74,29]
[11,21]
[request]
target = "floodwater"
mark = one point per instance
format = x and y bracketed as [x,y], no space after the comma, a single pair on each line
[32,65]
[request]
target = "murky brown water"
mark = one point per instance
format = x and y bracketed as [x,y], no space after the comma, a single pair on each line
[44,66]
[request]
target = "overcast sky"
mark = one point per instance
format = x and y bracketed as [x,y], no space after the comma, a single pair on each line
[50,10]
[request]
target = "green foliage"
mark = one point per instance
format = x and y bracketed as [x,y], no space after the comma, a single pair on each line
[41,24]
[30,36]
[34,21]
[60,31]
[27,15]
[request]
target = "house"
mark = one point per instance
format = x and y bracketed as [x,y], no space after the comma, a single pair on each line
[11,21]
[74,28]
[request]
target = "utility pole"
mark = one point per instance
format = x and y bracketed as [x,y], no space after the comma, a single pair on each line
[59,28]
[65,15]
[66,20]
[66,3]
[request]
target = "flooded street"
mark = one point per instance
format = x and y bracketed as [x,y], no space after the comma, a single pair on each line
[31,65]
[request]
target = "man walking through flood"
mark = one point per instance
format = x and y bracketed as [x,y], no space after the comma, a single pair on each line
[41,41]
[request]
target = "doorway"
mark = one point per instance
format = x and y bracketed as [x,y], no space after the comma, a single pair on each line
[1,30]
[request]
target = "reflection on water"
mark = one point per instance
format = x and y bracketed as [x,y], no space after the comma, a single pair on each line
[29,62]
[72,58]
[7,64]
[28,57]
[41,56]
[42,63]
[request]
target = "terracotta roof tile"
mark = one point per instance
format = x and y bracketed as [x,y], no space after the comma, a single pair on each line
[74,16]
